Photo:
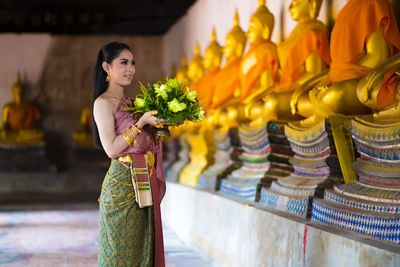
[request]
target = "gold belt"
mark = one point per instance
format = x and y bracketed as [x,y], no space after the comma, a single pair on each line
[149,160]
[125,158]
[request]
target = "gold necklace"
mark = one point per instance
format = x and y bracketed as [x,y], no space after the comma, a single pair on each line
[114,96]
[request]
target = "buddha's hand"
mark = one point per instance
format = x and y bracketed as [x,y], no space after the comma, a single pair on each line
[367,84]
[374,78]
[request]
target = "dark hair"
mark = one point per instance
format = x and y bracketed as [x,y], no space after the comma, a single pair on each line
[107,53]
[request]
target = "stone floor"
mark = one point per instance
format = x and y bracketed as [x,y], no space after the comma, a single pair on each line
[66,235]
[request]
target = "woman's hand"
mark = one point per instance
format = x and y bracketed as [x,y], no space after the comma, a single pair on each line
[149,118]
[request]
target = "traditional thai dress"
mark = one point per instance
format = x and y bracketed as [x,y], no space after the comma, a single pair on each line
[130,235]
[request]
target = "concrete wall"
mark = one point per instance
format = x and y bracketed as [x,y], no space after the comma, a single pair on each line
[235,234]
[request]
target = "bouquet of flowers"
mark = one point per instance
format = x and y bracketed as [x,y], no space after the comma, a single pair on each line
[173,101]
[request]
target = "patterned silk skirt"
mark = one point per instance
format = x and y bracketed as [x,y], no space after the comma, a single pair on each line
[126,232]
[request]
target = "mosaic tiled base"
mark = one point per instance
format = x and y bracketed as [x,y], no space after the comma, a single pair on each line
[378,225]
[225,158]
[172,173]
[363,205]
[244,191]
[290,204]
[242,183]
[171,149]
[312,147]
[369,193]
[379,181]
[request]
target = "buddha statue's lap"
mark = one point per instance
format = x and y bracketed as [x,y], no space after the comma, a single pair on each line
[20,120]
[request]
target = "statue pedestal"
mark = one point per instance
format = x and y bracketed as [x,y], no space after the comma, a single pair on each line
[265,159]
[26,174]
[370,205]
[226,159]
[174,170]
[25,158]
[315,165]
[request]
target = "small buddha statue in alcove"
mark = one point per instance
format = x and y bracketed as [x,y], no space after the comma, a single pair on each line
[84,136]
[20,119]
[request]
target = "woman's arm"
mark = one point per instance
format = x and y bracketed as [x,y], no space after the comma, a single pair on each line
[104,117]
[103,114]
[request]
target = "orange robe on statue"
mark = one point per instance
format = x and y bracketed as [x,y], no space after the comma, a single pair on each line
[227,81]
[205,87]
[23,117]
[355,23]
[306,38]
[262,56]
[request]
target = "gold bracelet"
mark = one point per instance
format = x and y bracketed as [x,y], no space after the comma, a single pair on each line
[136,128]
[127,138]
[133,135]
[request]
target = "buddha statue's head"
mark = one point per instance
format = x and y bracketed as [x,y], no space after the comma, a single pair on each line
[213,54]
[17,90]
[261,23]
[235,40]
[182,73]
[304,9]
[196,68]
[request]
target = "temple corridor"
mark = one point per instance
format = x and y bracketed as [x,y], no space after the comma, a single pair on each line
[66,235]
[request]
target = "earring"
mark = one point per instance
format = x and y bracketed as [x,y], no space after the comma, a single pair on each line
[108,78]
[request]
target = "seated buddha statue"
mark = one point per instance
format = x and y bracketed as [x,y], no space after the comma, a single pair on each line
[201,138]
[258,69]
[304,54]
[182,73]
[84,136]
[195,70]
[380,88]
[211,62]
[20,120]
[228,81]
[365,35]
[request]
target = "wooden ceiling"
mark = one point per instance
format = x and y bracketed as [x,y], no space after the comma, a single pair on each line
[131,17]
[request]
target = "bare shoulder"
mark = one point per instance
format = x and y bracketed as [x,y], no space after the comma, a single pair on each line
[102,102]
[102,105]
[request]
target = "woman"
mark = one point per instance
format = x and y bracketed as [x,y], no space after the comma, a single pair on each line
[128,235]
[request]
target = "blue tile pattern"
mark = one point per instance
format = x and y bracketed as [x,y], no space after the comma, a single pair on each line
[373,224]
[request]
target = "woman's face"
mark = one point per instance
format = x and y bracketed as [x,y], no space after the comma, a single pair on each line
[122,68]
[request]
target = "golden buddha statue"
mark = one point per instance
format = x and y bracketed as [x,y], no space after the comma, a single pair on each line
[380,89]
[228,81]
[200,137]
[195,69]
[303,55]
[211,62]
[20,120]
[182,73]
[357,47]
[258,70]
[84,136]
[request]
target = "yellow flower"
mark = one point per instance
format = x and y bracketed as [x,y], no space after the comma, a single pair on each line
[201,114]
[175,106]
[139,102]
[172,83]
[191,95]
[161,91]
